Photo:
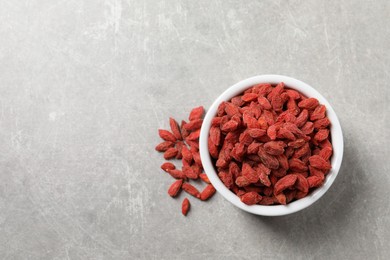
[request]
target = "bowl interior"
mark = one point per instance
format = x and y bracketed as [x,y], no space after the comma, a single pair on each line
[274,210]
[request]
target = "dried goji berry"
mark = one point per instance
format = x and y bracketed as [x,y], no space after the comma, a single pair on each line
[319,162]
[272,131]
[310,103]
[249,97]
[302,151]
[321,135]
[193,136]
[216,121]
[251,198]
[234,170]
[284,183]
[274,147]
[189,172]
[302,118]
[237,101]
[193,125]
[297,165]
[326,153]
[179,147]
[177,174]
[318,113]
[167,166]
[208,192]
[253,148]
[231,109]
[293,94]
[264,103]
[196,113]
[242,181]
[281,198]
[268,160]
[277,103]
[204,178]
[215,135]
[265,200]
[314,181]
[227,178]
[162,147]
[307,128]
[321,123]
[297,143]
[175,128]
[166,135]
[229,126]
[264,179]
[196,157]
[301,183]
[184,132]
[185,206]
[170,153]
[276,90]
[316,172]
[175,188]
[293,107]
[190,189]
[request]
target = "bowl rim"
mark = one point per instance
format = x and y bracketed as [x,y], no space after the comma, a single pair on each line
[272,210]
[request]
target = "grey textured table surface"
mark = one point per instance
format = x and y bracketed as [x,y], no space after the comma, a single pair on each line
[84,85]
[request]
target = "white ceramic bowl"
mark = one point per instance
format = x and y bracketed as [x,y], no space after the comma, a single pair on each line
[273,210]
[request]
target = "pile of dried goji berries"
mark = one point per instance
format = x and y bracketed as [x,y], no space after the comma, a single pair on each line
[271,144]
[183,143]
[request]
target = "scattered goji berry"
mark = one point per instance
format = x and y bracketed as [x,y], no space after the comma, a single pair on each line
[185,206]
[175,188]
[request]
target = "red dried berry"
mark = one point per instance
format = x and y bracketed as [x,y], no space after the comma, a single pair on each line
[170,153]
[196,113]
[301,183]
[321,135]
[284,183]
[229,126]
[204,178]
[318,113]
[314,181]
[175,128]
[251,198]
[274,147]
[281,198]
[167,166]
[185,206]
[193,136]
[326,153]
[175,188]
[162,147]
[321,123]
[208,192]
[193,125]
[187,155]
[302,118]
[177,174]
[166,135]
[297,165]
[215,135]
[249,97]
[319,163]
[190,189]
[310,103]
[269,160]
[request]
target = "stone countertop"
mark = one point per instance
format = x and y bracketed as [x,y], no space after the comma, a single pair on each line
[84,86]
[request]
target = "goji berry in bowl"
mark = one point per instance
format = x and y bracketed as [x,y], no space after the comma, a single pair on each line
[271,145]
